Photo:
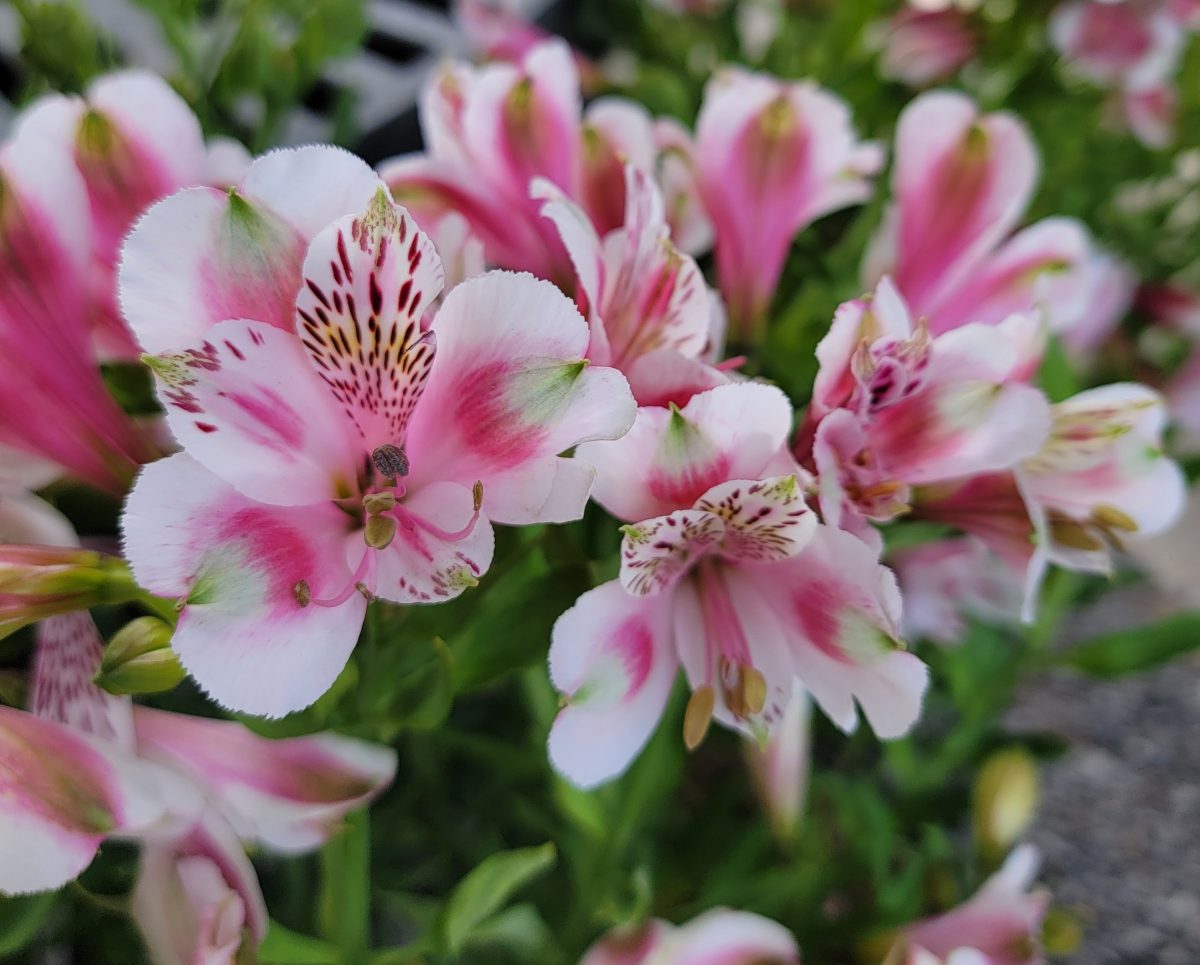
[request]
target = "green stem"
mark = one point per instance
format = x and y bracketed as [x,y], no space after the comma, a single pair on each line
[345,909]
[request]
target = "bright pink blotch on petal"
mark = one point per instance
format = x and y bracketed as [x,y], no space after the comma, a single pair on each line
[771,158]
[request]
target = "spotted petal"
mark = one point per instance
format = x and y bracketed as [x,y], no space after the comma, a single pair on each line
[67,657]
[368,279]
[657,552]
[247,404]
[764,520]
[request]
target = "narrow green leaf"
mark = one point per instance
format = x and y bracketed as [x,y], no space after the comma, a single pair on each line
[1130,651]
[282,946]
[487,889]
[346,889]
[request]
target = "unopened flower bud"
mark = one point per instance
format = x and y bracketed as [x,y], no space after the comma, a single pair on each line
[42,581]
[1003,801]
[139,659]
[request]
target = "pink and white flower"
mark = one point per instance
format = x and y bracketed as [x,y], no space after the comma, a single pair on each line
[780,767]
[961,182]
[1001,924]
[1132,47]
[947,581]
[1101,477]
[89,765]
[894,407]
[335,449]
[922,47]
[647,303]
[724,571]
[772,157]
[718,937]
[491,131]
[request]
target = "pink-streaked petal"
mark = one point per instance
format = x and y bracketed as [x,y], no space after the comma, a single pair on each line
[509,393]
[197,897]
[202,256]
[582,242]
[664,377]
[842,610]
[616,133]
[771,157]
[289,794]
[368,279]
[243,570]
[525,120]
[922,47]
[424,566]
[657,552]
[66,660]
[629,947]
[670,458]
[63,794]
[247,404]
[611,657]
[961,182]
[764,519]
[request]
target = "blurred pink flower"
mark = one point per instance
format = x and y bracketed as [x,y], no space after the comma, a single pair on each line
[718,937]
[923,47]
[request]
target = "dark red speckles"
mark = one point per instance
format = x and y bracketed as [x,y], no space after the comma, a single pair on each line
[237,352]
[376,294]
[402,298]
[344,258]
[318,294]
[206,427]
[256,337]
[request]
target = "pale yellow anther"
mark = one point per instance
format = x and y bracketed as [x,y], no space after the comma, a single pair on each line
[302,593]
[1074,535]
[477,495]
[379,531]
[1113,518]
[754,690]
[698,716]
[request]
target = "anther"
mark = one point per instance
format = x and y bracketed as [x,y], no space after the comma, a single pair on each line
[376,503]
[477,495]
[753,688]
[302,593]
[698,716]
[379,531]
[1112,518]
[390,461]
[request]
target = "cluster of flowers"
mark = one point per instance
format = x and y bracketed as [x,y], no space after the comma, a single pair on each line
[1129,47]
[355,400]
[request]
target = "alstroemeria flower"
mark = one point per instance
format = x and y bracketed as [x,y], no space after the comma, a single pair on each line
[947,581]
[896,408]
[718,937]
[1001,923]
[961,181]
[491,131]
[335,449]
[197,899]
[772,157]
[724,571]
[134,141]
[922,47]
[644,297]
[1101,477]
[186,788]
[53,401]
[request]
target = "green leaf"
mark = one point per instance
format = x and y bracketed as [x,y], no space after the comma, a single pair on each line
[1130,651]
[282,946]
[21,918]
[1057,375]
[487,889]
[346,889]
[511,627]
